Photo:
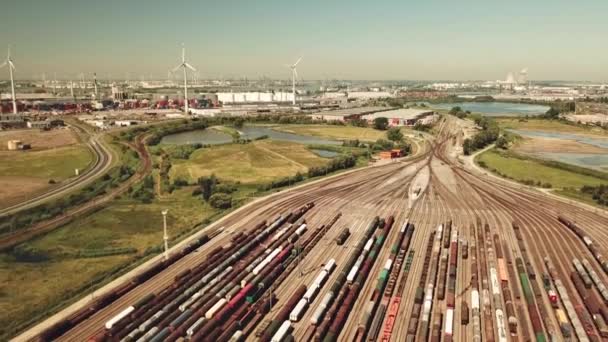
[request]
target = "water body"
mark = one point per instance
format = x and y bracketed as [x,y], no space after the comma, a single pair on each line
[588,160]
[496,108]
[325,153]
[214,137]
[592,161]
[599,142]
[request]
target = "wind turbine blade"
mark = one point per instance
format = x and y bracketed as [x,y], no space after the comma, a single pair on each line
[12,65]
[298,61]
[295,73]
[189,66]
[177,67]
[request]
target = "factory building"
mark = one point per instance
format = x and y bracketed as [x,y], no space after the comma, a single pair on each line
[347,114]
[254,97]
[368,95]
[401,117]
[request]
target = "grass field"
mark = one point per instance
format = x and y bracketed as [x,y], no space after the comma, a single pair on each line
[549,125]
[30,288]
[57,164]
[334,132]
[521,169]
[254,163]
[39,140]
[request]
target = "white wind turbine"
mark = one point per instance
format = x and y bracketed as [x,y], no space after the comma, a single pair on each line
[185,66]
[294,75]
[9,63]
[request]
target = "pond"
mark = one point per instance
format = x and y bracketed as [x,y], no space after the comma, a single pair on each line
[589,160]
[599,142]
[325,153]
[496,108]
[214,137]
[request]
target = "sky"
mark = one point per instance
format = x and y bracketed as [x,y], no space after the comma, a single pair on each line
[376,40]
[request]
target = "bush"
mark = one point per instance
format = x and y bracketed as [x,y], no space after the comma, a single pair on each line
[381,123]
[28,253]
[220,201]
[341,162]
[394,134]
[226,188]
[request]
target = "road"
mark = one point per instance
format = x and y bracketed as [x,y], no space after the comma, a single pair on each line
[101,164]
[500,223]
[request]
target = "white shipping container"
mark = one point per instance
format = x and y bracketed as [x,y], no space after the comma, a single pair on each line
[368,245]
[388,264]
[403,228]
[310,294]
[587,240]
[282,332]
[301,230]
[439,231]
[120,316]
[316,315]
[215,308]
[237,336]
[298,311]
[475,299]
[494,281]
[320,279]
[500,326]
[449,322]
[426,310]
[194,327]
[329,266]
[352,274]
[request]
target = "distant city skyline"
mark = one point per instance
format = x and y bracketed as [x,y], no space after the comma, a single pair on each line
[381,40]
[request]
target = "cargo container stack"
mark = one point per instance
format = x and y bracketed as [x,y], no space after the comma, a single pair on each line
[475,302]
[427,282]
[592,247]
[334,298]
[391,301]
[276,329]
[591,301]
[353,291]
[370,324]
[488,316]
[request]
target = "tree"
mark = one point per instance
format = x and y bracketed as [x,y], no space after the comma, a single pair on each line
[207,184]
[466,147]
[502,142]
[394,134]
[381,123]
[239,122]
[220,200]
[455,110]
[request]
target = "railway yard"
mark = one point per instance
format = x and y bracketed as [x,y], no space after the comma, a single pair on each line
[415,250]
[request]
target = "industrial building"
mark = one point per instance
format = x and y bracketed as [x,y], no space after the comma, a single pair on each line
[346,114]
[368,95]
[401,117]
[254,97]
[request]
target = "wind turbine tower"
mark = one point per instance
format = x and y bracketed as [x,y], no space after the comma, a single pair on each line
[294,75]
[11,66]
[95,84]
[185,66]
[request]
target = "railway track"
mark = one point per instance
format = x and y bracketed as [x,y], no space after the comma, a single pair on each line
[514,302]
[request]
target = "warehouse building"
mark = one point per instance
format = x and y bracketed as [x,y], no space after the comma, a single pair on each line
[254,97]
[403,116]
[346,114]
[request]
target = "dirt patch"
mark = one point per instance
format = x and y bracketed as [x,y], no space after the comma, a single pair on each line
[550,145]
[16,189]
[39,140]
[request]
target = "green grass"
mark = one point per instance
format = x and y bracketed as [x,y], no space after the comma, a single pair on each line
[57,164]
[28,289]
[521,168]
[549,125]
[334,132]
[254,163]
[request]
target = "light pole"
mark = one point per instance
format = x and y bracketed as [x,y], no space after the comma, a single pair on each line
[165,236]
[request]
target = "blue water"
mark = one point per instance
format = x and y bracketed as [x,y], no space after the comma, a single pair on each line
[214,137]
[325,153]
[496,108]
[592,161]
[599,142]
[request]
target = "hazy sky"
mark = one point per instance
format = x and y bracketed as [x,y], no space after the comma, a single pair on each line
[380,39]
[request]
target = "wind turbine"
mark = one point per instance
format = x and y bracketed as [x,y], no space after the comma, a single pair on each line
[9,62]
[294,75]
[185,66]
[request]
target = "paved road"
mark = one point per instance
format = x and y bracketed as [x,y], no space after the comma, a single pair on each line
[103,161]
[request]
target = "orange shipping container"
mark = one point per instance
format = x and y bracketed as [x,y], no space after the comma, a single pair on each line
[502,270]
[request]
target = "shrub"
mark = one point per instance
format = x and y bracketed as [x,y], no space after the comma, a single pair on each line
[220,200]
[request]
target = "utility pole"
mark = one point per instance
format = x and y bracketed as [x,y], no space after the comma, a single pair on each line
[165,236]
